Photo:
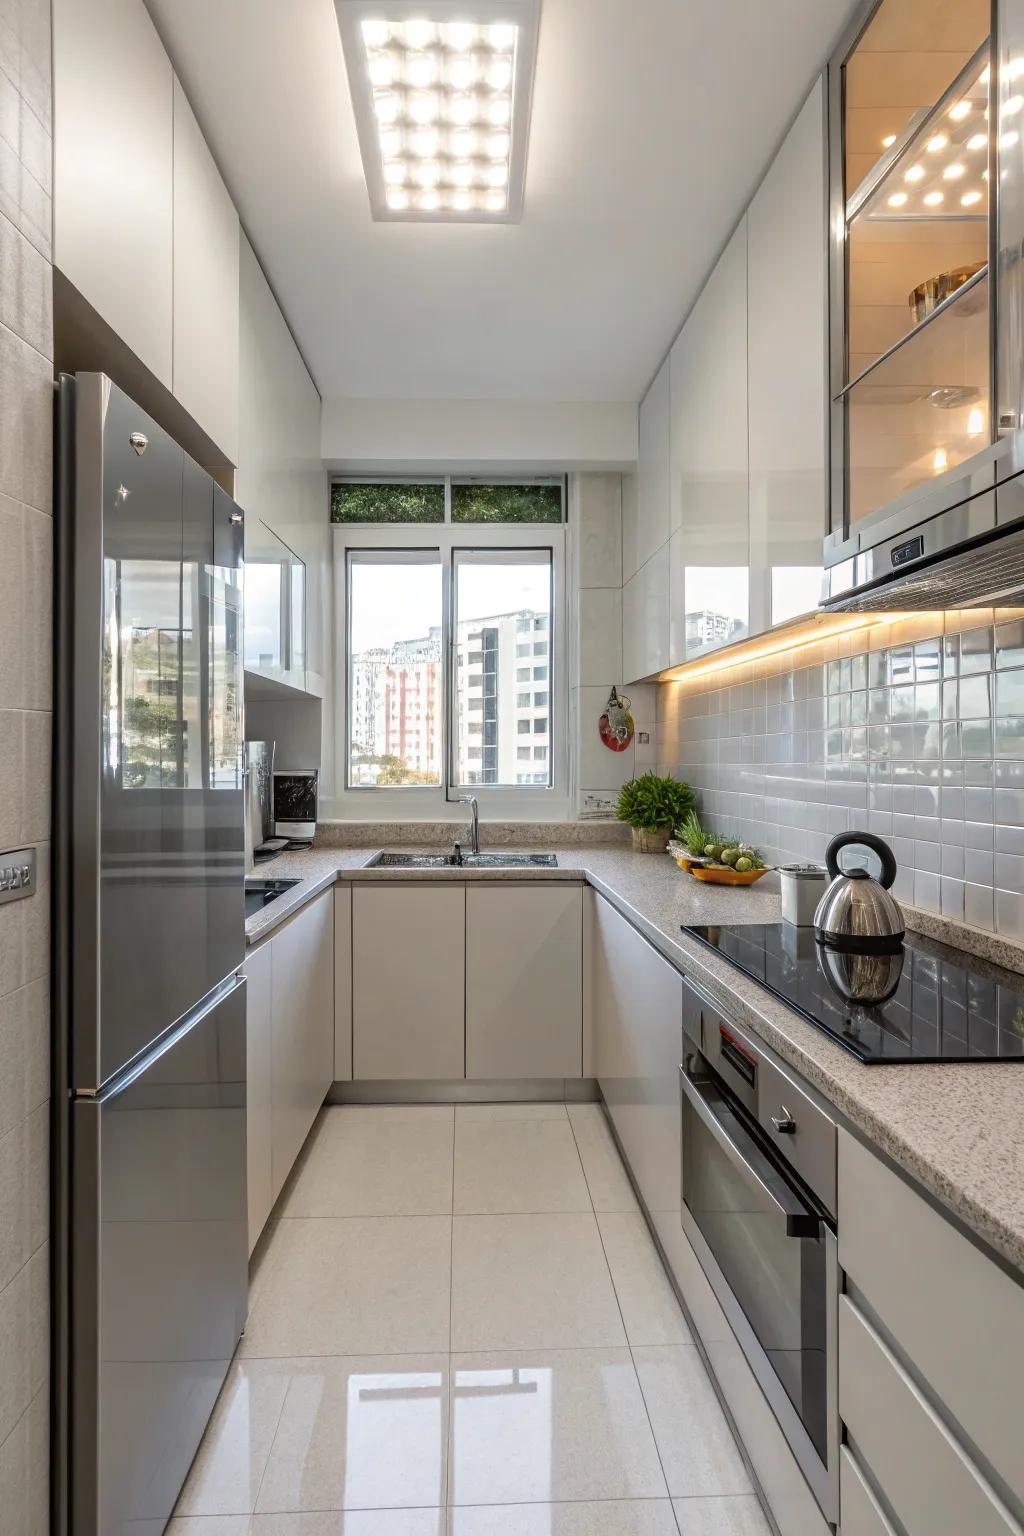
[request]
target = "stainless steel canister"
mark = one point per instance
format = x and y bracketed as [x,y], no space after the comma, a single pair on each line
[803,886]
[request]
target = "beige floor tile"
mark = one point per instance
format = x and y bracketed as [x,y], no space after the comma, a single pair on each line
[517,1166]
[531,1111]
[549,1425]
[209,1525]
[650,1311]
[622,1517]
[606,1176]
[736,1516]
[531,1282]
[365,1522]
[360,1434]
[365,1285]
[374,1164]
[232,1458]
[697,1449]
[352,1522]
[396,1113]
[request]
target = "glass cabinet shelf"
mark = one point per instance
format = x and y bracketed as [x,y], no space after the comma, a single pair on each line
[911,370]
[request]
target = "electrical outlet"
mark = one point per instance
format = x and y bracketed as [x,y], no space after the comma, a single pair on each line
[17,874]
[597,802]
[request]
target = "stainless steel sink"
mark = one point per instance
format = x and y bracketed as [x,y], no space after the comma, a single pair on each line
[260,893]
[463,861]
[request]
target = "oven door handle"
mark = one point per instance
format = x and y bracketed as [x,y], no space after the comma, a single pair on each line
[716,1115]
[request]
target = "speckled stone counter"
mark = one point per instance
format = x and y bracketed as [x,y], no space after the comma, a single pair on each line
[957,1129]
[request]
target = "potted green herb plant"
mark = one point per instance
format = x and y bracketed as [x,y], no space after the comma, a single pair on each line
[653,805]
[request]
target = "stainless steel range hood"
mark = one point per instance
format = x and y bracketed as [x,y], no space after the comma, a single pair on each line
[970,555]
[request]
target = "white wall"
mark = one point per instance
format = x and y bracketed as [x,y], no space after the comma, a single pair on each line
[595,516]
[489,436]
[26,447]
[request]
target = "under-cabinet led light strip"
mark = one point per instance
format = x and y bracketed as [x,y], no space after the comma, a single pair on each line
[442,104]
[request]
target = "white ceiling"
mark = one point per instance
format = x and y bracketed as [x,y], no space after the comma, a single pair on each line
[653,122]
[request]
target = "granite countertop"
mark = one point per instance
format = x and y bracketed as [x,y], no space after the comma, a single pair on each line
[957,1129]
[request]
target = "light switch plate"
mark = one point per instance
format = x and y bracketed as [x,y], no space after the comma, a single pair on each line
[17,874]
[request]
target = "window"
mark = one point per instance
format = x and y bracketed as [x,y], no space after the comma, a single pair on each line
[395,501]
[449,499]
[540,674]
[435,696]
[395,682]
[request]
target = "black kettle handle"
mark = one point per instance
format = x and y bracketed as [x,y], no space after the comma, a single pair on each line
[861,840]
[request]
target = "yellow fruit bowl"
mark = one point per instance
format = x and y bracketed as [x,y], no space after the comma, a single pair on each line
[723,874]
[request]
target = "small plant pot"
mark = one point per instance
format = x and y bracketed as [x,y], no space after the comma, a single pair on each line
[650,839]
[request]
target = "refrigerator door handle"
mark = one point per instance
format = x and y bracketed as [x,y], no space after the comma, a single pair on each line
[124,1079]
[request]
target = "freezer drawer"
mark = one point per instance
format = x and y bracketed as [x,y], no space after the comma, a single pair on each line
[159,1267]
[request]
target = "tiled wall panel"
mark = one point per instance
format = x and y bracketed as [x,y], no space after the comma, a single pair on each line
[26,554]
[913,729]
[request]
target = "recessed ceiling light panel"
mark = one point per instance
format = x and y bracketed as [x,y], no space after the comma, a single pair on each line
[442,92]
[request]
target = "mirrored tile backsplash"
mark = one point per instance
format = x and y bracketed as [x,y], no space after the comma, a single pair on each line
[911,728]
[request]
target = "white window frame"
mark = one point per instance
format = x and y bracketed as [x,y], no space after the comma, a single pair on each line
[416,802]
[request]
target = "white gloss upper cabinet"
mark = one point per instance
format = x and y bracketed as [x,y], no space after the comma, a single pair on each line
[524,980]
[786,287]
[206,234]
[113,93]
[710,599]
[652,526]
[645,619]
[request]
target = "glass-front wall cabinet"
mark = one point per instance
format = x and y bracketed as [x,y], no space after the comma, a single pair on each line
[912,103]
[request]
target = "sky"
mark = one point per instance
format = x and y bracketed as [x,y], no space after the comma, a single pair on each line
[403,602]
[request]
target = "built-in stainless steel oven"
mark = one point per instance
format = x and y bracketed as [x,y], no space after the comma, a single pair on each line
[758,1206]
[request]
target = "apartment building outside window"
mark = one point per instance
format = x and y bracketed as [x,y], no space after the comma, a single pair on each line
[439,697]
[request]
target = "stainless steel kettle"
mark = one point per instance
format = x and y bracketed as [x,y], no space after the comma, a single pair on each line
[856,913]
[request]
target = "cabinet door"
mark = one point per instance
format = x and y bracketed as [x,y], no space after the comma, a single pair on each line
[302,1029]
[645,619]
[653,468]
[205,285]
[638,1038]
[710,543]
[408,982]
[787,368]
[343,984]
[113,170]
[524,981]
[258,1076]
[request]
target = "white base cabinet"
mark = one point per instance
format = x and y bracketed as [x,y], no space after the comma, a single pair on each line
[290,1039]
[408,981]
[638,1044]
[343,984]
[258,1088]
[524,981]
[926,1353]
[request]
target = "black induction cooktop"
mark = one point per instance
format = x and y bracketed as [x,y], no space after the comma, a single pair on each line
[944,1005]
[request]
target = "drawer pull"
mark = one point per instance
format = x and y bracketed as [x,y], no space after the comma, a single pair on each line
[784,1123]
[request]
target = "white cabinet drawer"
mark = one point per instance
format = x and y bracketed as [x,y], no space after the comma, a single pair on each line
[927,1479]
[859,1511]
[964,1336]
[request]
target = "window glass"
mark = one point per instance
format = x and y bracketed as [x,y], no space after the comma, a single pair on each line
[396,684]
[387,502]
[498,595]
[475,503]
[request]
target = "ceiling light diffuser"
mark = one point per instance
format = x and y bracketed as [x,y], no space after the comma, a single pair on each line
[442,92]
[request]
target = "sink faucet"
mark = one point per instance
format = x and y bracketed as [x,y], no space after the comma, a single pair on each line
[470,800]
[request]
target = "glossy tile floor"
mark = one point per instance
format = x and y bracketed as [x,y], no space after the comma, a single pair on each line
[459,1326]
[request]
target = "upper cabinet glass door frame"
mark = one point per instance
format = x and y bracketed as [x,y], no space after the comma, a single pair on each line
[998,453]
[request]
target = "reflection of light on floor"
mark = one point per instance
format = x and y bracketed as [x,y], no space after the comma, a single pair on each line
[394,1414]
[504,1415]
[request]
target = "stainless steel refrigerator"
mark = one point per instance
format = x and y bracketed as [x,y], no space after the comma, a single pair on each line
[150,1167]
